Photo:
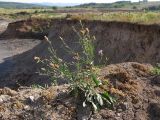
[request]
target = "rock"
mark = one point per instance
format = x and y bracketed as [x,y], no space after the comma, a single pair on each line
[129,115]
[4,98]
[156,80]
[27,107]
[48,106]
[8,91]
[157,92]
[123,106]
[31,98]
[17,105]
[138,105]
[96,117]
[140,115]
[83,113]
[118,114]
[154,109]
[1,100]
[119,110]
[107,114]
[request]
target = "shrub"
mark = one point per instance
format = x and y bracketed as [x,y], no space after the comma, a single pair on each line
[83,77]
[156,70]
[54,8]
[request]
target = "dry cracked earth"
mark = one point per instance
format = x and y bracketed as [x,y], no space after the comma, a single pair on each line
[136,89]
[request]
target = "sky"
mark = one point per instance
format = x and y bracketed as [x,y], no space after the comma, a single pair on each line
[68,1]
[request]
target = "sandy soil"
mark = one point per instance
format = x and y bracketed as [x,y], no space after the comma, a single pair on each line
[9,48]
[12,47]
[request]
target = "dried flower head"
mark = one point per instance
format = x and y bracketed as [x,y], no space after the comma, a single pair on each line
[60,37]
[76,56]
[87,30]
[37,59]
[100,53]
[83,31]
[54,65]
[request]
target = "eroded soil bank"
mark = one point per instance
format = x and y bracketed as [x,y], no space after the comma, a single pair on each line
[136,89]
[120,41]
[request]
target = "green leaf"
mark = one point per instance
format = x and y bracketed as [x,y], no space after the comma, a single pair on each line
[94,106]
[96,81]
[99,99]
[108,97]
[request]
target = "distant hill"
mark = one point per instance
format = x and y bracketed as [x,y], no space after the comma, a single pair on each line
[119,4]
[57,4]
[123,5]
[19,5]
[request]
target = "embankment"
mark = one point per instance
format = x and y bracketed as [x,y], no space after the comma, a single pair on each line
[120,42]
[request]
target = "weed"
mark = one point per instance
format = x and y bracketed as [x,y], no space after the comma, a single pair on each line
[83,78]
[34,86]
[156,70]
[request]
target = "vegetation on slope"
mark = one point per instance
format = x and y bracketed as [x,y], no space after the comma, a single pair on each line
[80,72]
[133,17]
[124,5]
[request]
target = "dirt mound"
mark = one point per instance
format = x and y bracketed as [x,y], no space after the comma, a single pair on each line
[31,28]
[130,82]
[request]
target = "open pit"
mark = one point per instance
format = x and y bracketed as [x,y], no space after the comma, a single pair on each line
[120,42]
[131,50]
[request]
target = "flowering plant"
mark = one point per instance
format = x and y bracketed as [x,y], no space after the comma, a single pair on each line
[83,80]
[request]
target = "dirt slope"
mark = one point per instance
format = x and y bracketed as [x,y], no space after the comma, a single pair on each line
[137,95]
[121,42]
[3,25]
[31,28]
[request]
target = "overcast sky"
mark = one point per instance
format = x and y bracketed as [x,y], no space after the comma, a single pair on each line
[69,1]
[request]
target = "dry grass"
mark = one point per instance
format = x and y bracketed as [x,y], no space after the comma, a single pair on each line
[17,14]
[133,17]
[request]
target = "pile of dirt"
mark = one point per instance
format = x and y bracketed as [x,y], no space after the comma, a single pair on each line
[131,83]
[31,28]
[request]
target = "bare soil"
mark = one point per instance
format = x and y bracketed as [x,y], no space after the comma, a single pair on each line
[132,84]
[132,51]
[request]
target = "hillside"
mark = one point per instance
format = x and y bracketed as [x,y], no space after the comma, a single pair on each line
[123,5]
[18,5]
